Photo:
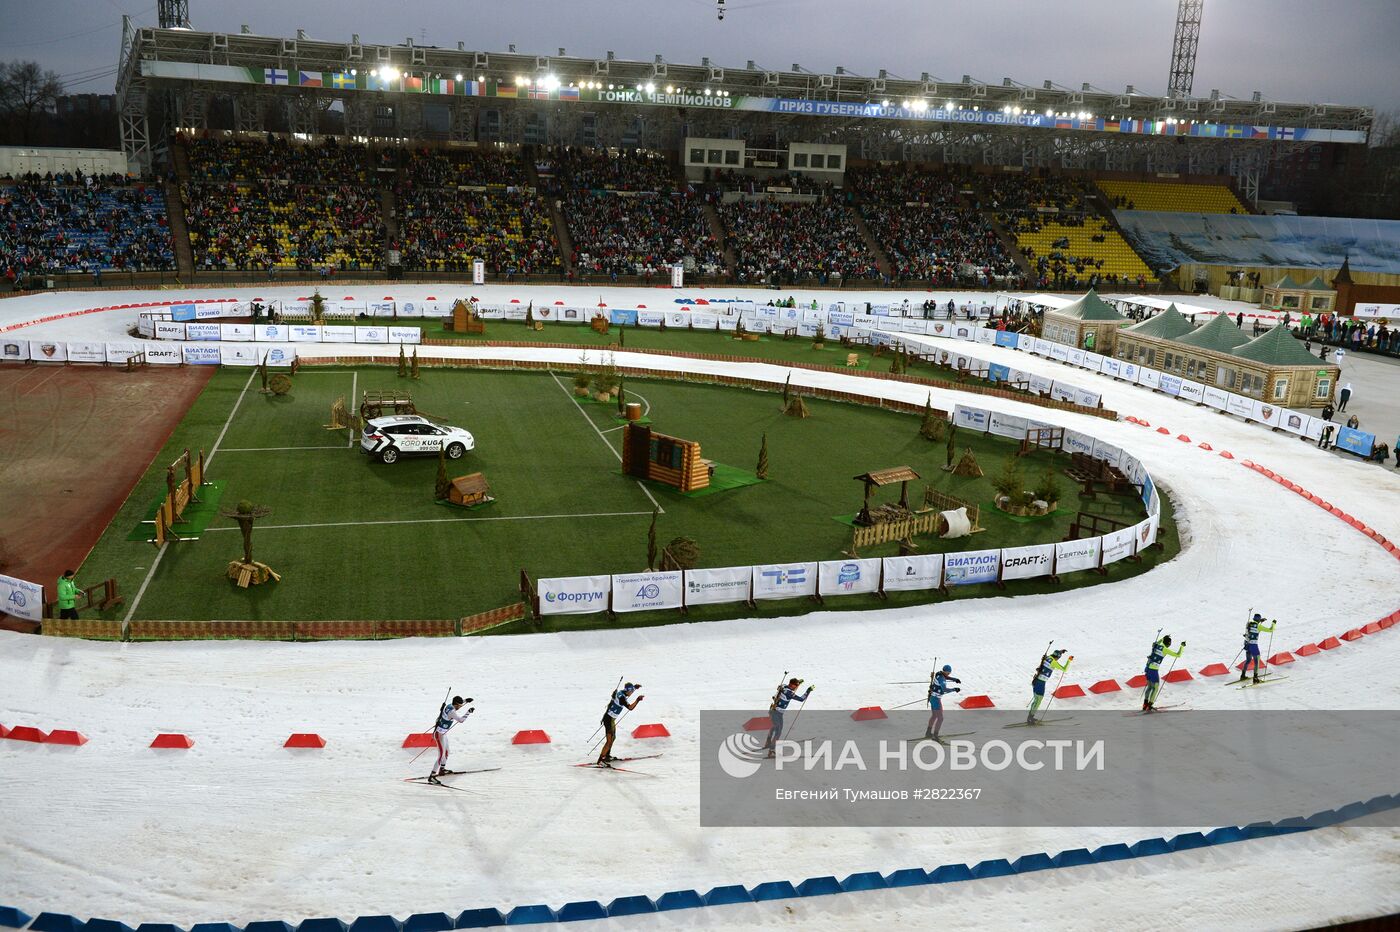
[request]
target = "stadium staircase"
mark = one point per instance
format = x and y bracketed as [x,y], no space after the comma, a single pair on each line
[1005,237]
[717,231]
[175,212]
[562,240]
[882,261]
[389,207]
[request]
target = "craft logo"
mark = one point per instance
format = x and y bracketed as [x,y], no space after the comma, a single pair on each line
[648,592]
[848,575]
[1034,559]
[792,576]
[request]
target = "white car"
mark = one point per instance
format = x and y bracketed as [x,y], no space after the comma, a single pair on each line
[409,434]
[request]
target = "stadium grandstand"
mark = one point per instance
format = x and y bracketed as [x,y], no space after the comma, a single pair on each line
[250,156]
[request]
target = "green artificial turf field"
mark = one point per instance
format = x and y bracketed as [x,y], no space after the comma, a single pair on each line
[356,539]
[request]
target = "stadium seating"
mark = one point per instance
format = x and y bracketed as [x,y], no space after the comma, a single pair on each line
[255,205]
[82,223]
[627,215]
[1172,196]
[459,205]
[808,242]
[924,229]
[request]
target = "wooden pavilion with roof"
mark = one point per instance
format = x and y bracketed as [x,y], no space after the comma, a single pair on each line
[881,477]
[1298,297]
[1089,323]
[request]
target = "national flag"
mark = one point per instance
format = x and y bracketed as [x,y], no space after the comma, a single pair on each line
[474,88]
[1064,124]
[539,93]
[1234,132]
[1206,129]
[506,90]
[1112,126]
[275,76]
[443,86]
[1285,132]
[1258,132]
[412,83]
[568,93]
[309,78]
[342,80]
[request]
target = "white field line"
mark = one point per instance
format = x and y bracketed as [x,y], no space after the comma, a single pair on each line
[275,449]
[294,527]
[354,388]
[207,460]
[611,449]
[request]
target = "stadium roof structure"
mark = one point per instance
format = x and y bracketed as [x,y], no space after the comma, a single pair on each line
[1168,325]
[1220,334]
[171,79]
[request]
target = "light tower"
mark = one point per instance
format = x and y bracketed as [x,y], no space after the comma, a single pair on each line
[1188,35]
[175,14]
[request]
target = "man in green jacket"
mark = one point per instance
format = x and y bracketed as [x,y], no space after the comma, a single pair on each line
[68,595]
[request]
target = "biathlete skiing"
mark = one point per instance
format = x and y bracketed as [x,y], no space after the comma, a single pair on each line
[616,705]
[785,694]
[450,714]
[1251,645]
[1048,664]
[938,688]
[1160,649]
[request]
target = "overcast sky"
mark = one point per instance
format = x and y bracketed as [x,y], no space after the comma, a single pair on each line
[1343,51]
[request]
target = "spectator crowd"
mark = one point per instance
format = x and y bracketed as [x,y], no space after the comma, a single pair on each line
[796,242]
[81,223]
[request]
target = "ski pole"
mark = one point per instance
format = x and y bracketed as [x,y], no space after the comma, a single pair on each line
[1237,657]
[600,724]
[430,729]
[798,715]
[892,708]
[625,710]
[1049,702]
[1171,666]
[1271,636]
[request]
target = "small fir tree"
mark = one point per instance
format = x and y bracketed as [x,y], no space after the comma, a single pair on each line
[443,486]
[651,542]
[413,365]
[403,363]
[762,469]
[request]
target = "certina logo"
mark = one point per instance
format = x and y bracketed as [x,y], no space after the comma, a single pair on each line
[1035,559]
[574,596]
[741,755]
[649,591]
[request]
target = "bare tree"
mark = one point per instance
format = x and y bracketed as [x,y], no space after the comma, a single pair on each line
[27,92]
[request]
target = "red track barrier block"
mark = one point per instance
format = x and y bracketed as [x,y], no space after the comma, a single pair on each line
[1138,681]
[171,740]
[534,736]
[1183,438]
[1372,628]
[1072,691]
[419,739]
[1179,676]
[1205,446]
[1105,686]
[1215,669]
[869,713]
[1329,644]
[758,723]
[4,732]
[1227,454]
[305,740]
[26,733]
[65,736]
[1142,423]
[977,702]
[1163,430]
[1308,650]
[1279,659]
[656,730]
[1386,622]
[1353,635]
